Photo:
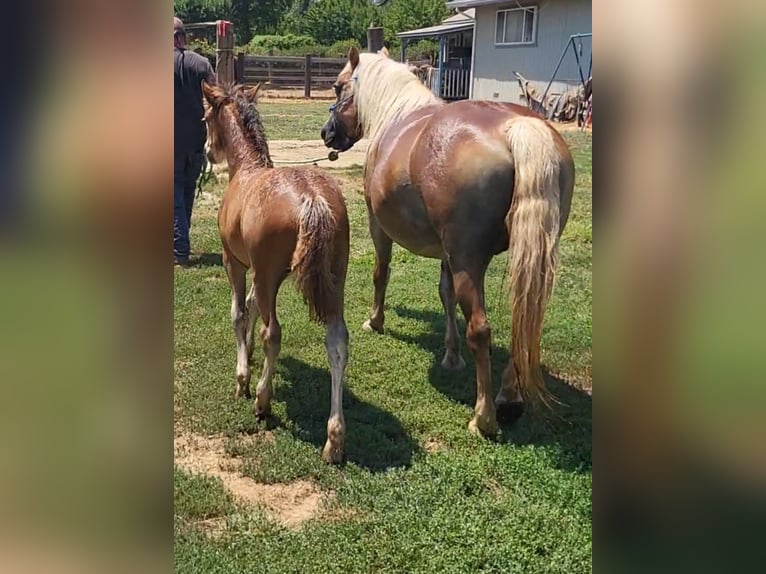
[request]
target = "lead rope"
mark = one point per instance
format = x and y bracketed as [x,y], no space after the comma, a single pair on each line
[207,168]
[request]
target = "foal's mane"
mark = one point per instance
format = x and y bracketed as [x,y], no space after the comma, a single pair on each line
[386,90]
[251,124]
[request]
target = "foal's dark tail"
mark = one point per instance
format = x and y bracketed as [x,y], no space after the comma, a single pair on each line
[533,227]
[313,257]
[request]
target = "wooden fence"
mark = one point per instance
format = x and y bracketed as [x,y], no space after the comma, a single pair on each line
[289,71]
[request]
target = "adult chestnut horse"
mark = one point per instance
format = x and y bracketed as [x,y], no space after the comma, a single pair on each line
[460,182]
[278,221]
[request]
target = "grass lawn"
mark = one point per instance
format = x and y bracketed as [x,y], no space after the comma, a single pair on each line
[298,120]
[419,493]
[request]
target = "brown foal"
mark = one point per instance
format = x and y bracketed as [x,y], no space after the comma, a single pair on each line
[276,222]
[460,182]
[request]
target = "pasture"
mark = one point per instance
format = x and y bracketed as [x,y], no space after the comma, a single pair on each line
[418,493]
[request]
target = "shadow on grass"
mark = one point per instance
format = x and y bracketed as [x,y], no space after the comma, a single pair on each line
[375,439]
[567,430]
[207,260]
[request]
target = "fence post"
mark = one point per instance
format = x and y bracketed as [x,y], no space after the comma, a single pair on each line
[224,51]
[374,39]
[240,75]
[307,77]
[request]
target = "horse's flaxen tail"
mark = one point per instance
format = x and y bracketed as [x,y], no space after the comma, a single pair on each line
[533,227]
[313,256]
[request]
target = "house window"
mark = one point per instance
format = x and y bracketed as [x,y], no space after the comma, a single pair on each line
[515,26]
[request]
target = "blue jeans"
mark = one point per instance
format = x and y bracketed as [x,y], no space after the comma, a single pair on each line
[186,170]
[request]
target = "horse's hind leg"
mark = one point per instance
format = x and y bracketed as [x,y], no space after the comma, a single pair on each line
[236,272]
[509,402]
[336,343]
[271,335]
[469,289]
[383,244]
[452,358]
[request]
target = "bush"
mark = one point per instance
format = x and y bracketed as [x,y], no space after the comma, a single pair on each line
[340,49]
[204,48]
[280,44]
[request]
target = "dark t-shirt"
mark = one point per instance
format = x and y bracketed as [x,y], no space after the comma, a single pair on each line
[189,70]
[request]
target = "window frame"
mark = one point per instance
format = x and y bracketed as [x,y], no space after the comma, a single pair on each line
[534,8]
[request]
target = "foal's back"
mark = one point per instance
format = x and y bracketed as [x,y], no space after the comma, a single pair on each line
[260,211]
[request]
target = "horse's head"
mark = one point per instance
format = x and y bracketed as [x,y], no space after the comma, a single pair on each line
[343,129]
[220,103]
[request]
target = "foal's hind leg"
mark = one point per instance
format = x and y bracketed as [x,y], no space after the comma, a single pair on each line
[271,335]
[383,244]
[252,317]
[236,272]
[452,358]
[336,344]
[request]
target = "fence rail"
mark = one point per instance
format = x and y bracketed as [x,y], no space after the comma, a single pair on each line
[289,71]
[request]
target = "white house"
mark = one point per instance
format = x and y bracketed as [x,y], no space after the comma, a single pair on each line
[528,37]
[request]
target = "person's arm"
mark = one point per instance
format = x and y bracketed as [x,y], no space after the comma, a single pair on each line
[210,77]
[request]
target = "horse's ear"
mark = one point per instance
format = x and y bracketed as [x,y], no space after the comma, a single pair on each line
[213,94]
[384,52]
[353,57]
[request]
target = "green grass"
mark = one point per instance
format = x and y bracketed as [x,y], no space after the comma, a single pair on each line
[519,504]
[299,120]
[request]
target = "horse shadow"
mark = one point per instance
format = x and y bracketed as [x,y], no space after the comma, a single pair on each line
[567,430]
[208,260]
[375,439]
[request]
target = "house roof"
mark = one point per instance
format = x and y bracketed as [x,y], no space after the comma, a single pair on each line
[457,23]
[472,3]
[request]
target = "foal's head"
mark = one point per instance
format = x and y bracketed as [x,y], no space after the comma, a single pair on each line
[234,124]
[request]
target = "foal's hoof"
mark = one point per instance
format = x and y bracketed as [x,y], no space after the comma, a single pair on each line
[453,361]
[369,326]
[261,413]
[333,454]
[509,413]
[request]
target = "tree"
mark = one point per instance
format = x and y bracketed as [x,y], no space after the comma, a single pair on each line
[402,15]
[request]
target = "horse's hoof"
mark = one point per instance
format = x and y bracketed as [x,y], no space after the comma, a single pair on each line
[483,429]
[368,326]
[241,392]
[333,455]
[509,413]
[453,362]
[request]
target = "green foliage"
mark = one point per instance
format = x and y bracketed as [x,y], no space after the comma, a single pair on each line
[331,24]
[402,15]
[280,44]
[340,49]
[332,20]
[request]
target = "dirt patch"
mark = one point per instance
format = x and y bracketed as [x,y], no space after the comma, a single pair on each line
[295,150]
[291,504]
[433,445]
[292,94]
[212,527]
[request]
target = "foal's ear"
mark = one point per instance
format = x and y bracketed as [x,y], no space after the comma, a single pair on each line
[384,52]
[214,95]
[353,57]
[252,92]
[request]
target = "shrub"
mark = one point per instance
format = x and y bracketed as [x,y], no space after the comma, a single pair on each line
[280,44]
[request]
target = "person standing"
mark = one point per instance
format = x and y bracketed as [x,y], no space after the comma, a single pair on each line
[190,69]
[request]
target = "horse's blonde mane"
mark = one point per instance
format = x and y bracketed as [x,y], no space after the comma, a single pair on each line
[386,90]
